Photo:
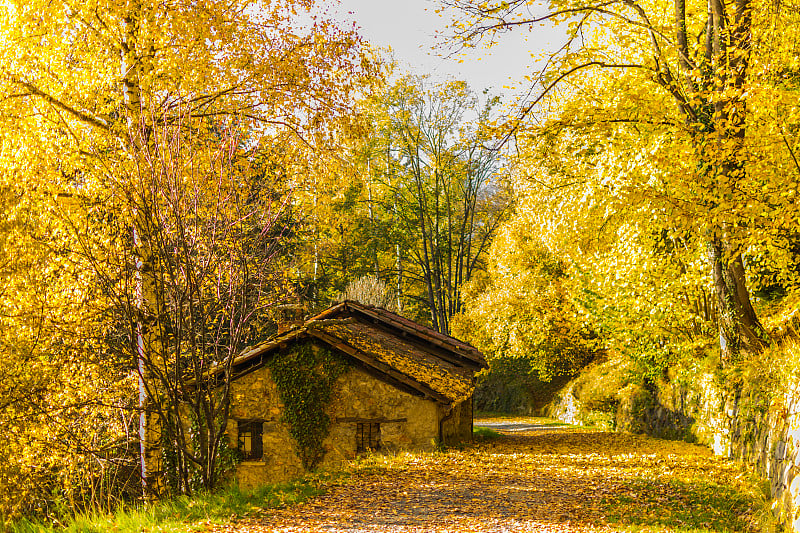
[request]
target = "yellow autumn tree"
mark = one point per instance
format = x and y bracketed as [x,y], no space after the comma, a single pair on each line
[638,276]
[75,79]
[523,307]
[675,118]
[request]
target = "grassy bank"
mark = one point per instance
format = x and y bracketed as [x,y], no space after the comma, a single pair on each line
[183,513]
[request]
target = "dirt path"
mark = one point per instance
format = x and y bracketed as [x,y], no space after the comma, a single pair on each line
[535,477]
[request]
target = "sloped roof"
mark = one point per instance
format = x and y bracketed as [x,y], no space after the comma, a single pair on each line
[378,314]
[392,348]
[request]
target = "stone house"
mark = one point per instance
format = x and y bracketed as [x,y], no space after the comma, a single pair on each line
[382,383]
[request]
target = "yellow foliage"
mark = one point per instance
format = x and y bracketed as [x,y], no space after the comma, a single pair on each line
[525,309]
[75,82]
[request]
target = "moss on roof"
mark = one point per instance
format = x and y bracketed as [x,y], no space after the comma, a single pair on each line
[448,380]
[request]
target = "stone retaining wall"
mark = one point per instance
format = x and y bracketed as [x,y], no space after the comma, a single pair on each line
[743,424]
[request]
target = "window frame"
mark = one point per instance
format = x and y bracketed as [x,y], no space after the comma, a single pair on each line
[254,430]
[369,440]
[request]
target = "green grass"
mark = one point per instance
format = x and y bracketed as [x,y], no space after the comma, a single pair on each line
[696,506]
[183,513]
[556,423]
[524,419]
[482,433]
[494,414]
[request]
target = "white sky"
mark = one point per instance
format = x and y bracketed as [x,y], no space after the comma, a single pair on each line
[409,28]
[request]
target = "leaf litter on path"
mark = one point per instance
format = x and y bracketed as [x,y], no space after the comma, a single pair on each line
[537,478]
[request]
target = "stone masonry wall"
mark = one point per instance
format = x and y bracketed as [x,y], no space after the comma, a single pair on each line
[406,422]
[255,396]
[457,428]
[744,425]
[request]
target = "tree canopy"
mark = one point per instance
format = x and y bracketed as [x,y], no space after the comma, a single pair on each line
[423,195]
[657,155]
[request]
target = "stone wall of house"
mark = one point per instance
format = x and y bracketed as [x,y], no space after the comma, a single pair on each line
[406,422]
[457,427]
[255,396]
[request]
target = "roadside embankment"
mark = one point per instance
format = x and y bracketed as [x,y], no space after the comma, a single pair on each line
[750,412]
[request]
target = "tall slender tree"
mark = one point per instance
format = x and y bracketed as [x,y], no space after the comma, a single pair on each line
[439,189]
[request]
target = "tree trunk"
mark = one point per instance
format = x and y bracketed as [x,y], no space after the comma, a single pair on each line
[740,331]
[131,96]
[398,258]
[373,233]
[726,58]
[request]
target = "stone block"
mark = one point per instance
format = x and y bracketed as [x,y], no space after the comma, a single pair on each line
[779,451]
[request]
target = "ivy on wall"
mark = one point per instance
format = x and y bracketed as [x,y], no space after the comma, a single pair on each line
[305,377]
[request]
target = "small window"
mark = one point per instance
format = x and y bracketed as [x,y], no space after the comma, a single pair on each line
[250,439]
[368,436]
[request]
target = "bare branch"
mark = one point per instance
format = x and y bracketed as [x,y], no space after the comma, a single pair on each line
[528,108]
[52,100]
